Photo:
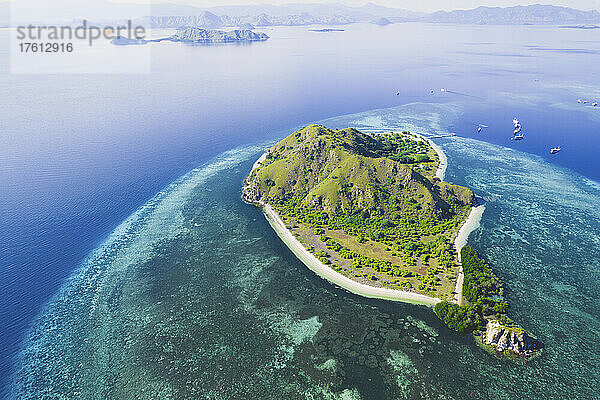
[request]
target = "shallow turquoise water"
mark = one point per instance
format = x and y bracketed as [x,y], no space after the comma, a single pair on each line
[194,296]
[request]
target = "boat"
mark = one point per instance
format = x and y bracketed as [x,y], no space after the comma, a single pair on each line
[579,101]
[480,127]
[585,102]
[519,137]
[517,129]
[517,125]
[554,150]
[594,104]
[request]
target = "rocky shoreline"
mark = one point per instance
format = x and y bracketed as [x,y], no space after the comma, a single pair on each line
[509,340]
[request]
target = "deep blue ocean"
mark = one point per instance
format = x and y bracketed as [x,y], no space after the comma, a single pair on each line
[129,265]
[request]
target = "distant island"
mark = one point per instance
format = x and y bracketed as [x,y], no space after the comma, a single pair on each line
[125,41]
[327,30]
[371,214]
[200,36]
[581,26]
[382,22]
[197,35]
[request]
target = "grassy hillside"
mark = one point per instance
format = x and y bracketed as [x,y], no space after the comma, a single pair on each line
[368,205]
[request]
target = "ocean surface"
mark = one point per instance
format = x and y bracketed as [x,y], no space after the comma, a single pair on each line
[128,264]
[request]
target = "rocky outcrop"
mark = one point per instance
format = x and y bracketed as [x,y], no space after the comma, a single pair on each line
[512,339]
[251,194]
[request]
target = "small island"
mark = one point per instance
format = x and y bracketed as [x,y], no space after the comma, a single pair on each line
[371,213]
[207,36]
[382,22]
[327,30]
[125,41]
[585,27]
[198,36]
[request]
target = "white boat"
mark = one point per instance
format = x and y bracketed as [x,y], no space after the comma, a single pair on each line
[478,129]
[594,104]
[554,150]
[515,122]
[579,100]
[517,129]
[519,137]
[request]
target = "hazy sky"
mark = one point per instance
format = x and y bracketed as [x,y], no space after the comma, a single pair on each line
[417,5]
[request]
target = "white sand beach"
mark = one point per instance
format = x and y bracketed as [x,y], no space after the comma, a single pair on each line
[468,226]
[441,171]
[462,237]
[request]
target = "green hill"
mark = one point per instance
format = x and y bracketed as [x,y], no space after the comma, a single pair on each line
[368,205]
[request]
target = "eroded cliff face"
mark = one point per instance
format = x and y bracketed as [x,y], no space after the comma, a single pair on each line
[516,340]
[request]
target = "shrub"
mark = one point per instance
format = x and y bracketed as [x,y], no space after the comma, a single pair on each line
[458,318]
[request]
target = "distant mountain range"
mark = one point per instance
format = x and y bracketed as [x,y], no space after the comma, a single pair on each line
[341,15]
[212,21]
[321,14]
[177,16]
[366,12]
[520,15]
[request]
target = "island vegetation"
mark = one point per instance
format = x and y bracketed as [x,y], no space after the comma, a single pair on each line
[484,311]
[481,291]
[367,205]
[370,207]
